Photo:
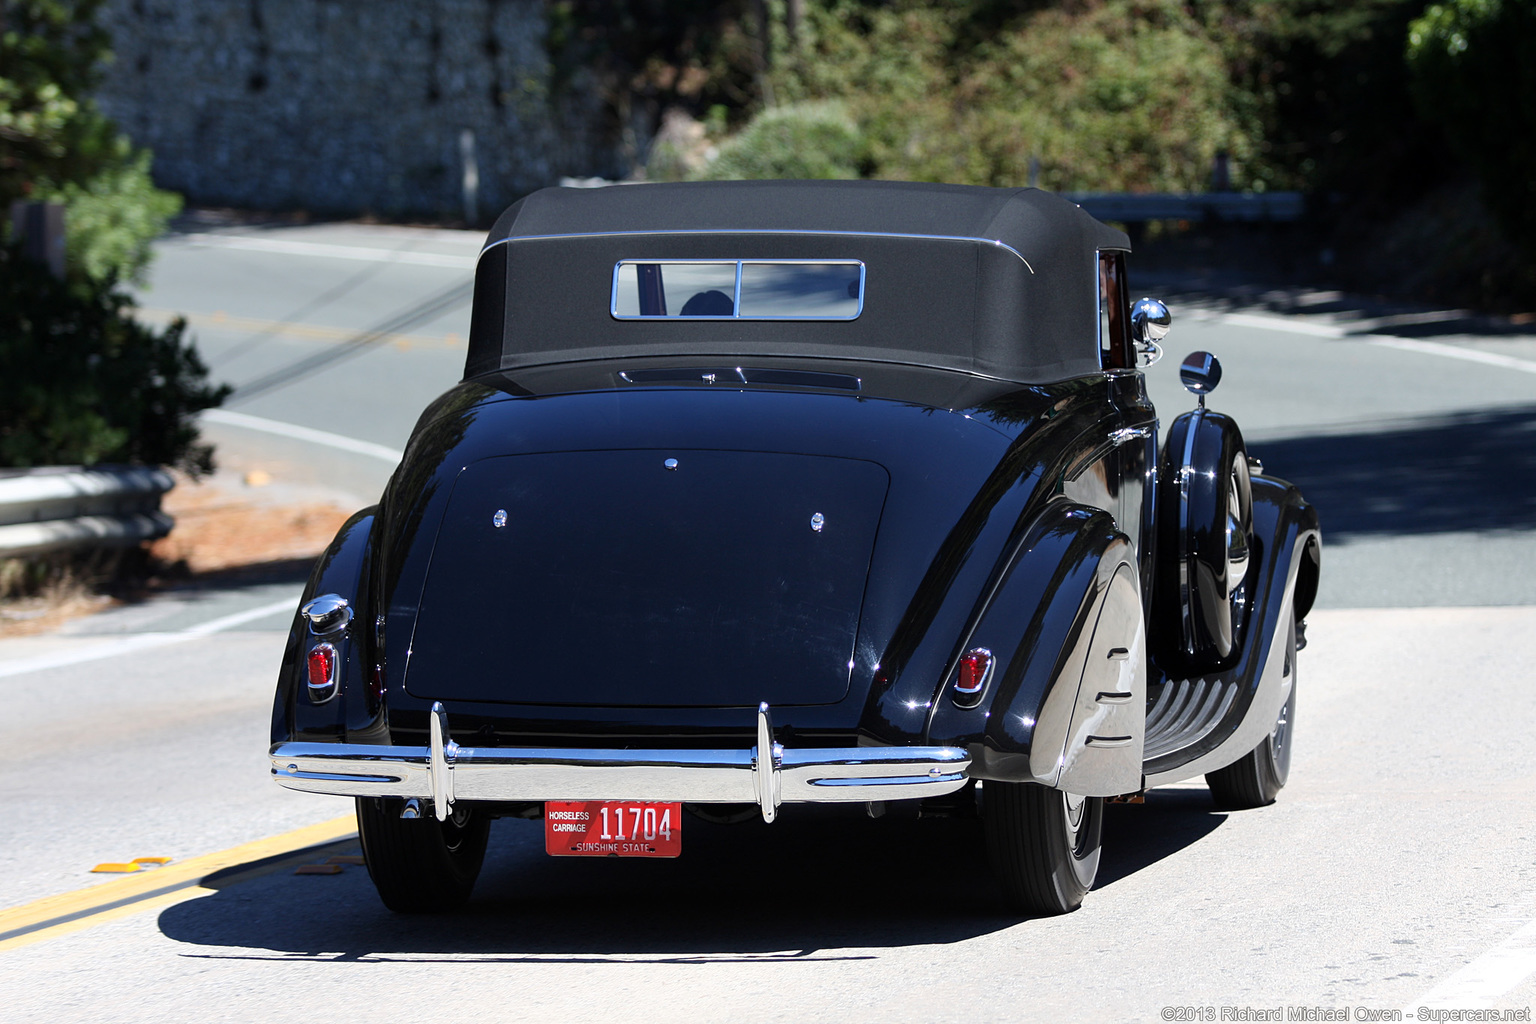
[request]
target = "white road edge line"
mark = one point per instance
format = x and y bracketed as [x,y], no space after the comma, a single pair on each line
[1277,323]
[1321,330]
[340,252]
[325,437]
[1478,984]
[1471,355]
[142,641]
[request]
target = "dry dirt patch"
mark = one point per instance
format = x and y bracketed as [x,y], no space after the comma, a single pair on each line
[226,523]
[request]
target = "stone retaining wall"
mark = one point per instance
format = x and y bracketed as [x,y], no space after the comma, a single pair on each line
[347,106]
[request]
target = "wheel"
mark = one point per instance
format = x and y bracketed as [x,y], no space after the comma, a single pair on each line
[1043,844]
[1257,778]
[421,865]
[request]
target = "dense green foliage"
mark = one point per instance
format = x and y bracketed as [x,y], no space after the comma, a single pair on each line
[1136,95]
[1118,94]
[82,382]
[56,146]
[1474,75]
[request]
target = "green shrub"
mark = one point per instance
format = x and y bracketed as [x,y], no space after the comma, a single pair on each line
[56,146]
[808,140]
[82,382]
[1127,95]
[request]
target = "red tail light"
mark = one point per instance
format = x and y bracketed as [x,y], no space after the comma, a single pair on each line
[975,667]
[322,672]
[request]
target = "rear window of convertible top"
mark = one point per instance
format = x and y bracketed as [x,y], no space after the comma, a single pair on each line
[738,289]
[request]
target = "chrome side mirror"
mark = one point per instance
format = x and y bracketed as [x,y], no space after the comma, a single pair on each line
[1150,321]
[1200,373]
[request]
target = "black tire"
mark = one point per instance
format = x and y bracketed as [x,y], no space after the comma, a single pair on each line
[1256,779]
[421,865]
[1043,844]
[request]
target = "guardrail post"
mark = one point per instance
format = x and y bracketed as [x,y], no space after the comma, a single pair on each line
[39,227]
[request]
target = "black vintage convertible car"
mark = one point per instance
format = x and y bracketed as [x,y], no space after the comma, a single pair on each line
[757,494]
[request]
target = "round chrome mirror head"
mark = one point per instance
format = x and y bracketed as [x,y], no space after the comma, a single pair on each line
[1200,372]
[1150,321]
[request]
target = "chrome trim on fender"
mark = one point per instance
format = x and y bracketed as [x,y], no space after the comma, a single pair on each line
[445,772]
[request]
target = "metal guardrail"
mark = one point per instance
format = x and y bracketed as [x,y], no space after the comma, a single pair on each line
[1136,208]
[59,507]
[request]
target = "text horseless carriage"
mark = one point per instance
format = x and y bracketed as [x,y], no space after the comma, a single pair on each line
[765,493]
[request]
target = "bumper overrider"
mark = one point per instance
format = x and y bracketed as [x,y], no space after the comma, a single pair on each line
[766,774]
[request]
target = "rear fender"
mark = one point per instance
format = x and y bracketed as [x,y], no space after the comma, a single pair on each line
[1069,598]
[343,570]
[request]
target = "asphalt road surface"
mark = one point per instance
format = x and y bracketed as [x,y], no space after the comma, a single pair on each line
[1396,871]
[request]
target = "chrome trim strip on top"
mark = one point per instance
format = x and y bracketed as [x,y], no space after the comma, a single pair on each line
[766,231]
[445,772]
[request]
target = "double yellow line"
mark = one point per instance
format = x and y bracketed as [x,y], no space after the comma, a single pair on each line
[53,916]
[290,328]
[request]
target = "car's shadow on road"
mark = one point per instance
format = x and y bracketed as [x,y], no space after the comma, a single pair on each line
[1469,471]
[814,885]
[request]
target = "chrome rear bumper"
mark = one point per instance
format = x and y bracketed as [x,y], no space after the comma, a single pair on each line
[445,772]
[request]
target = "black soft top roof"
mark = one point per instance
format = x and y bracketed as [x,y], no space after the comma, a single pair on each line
[1001,282]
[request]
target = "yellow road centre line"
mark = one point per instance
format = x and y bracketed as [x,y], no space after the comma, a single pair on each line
[293,329]
[71,911]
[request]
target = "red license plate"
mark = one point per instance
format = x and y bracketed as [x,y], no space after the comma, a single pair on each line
[612,828]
